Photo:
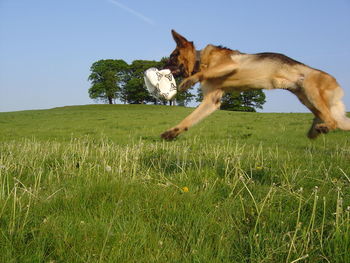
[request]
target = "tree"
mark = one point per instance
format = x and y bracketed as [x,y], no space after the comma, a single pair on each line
[135,90]
[107,77]
[240,101]
[115,79]
[135,93]
[243,101]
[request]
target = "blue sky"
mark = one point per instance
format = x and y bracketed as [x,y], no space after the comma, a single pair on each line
[47,47]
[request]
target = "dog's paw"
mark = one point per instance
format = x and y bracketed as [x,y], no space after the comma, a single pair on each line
[322,128]
[188,83]
[170,135]
[313,133]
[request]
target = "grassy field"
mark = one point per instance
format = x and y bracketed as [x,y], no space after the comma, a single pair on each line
[96,184]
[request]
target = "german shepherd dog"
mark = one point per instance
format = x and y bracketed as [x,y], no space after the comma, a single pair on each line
[221,70]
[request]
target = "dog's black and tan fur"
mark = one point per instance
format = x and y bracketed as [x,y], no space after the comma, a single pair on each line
[221,70]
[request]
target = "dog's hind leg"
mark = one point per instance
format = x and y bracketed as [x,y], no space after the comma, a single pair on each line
[314,93]
[313,132]
[211,102]
[316,88]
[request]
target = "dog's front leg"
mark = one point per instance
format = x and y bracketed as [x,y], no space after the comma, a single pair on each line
[210,103]
[213,72]
[189,82]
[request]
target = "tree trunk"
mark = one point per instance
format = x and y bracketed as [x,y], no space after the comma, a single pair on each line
[110,100]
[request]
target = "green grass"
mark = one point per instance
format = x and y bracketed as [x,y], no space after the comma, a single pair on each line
[96,184]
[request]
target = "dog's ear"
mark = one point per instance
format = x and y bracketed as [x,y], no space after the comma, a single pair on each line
[180,40]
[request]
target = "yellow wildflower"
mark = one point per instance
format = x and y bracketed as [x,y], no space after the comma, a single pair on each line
[185,189]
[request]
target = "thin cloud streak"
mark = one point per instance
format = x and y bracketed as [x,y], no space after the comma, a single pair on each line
[133,12]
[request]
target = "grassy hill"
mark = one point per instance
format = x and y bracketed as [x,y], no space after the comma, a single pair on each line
[97,184]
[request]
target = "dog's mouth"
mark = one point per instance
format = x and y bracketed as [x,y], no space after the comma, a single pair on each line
[177,71]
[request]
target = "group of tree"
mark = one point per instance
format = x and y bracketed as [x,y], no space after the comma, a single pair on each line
[115,80]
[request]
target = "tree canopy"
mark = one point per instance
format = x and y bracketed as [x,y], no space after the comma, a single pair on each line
[107,78]
[240,101]
[135,91]
[243,101]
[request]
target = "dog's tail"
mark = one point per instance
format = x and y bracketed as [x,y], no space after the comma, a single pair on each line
[338,112]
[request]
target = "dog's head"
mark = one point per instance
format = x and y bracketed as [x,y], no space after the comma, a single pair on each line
[183,59]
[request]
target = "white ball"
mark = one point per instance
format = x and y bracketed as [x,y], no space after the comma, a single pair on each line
[160,83]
